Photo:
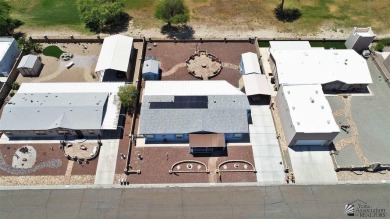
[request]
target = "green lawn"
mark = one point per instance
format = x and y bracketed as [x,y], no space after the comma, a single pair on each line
[53,51]
[328,44]
[238,14]
[46,12]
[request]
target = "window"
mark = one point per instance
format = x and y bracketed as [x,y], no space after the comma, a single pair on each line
[179,136]
[40,132]
[91,132]
[237,135]
[8,133]
[149,136]
[63,132]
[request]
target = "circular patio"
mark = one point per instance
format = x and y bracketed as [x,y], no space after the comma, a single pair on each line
[204,65]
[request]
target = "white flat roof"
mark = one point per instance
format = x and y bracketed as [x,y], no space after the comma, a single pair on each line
[256,84]
[115,53]
[190,88]
[250,63]
[5,43]
[290,45]
[309,109]
[320,66]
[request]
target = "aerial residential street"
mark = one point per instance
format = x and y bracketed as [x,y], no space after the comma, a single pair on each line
[287,201]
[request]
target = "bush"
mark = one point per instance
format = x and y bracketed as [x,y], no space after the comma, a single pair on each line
[99,15]
[128,96]
[11,94]
[15,86]
[380,45]
[172,12]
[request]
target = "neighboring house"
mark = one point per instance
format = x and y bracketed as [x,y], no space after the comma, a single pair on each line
[151,70]
[57,109]
[306,115]
[30,66]
[255,86]
[174,110]
[337,70]
[360,39]
[8,53]
[249,63]
[115,58]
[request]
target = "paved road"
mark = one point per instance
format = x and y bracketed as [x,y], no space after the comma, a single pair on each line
[287,201]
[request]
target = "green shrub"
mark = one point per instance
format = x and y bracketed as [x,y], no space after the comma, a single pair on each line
[11,94]
[380,45]
[15,86]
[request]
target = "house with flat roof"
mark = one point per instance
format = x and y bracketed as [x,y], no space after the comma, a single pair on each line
[306,115]
[337,70]
[61,109]
[8,53]
[173,111]
[115,58]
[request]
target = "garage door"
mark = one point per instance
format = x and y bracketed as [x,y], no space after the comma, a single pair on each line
[310,142]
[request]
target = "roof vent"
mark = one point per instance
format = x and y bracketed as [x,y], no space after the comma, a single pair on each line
[322,107]
[298,123]
[346,62]
[311,100]
[288,92]
[293,107]
[328,122]
[215,101]
[316,91]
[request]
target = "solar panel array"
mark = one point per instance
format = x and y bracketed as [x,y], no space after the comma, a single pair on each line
[182,102]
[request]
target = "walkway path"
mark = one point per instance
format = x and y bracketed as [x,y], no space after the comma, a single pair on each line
[265,146]
[105,171]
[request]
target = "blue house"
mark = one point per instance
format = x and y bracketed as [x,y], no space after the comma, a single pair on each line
[172,111]
[8,53]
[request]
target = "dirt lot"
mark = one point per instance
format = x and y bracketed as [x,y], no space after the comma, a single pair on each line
[173,56]
[54,70]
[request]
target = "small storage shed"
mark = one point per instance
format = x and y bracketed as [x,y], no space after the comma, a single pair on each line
[151,70]
[30,66]
[249,63]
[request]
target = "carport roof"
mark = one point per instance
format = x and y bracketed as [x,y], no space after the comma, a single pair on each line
[256,84]
[115,53]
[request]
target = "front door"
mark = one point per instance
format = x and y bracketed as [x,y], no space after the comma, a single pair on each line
[79,134]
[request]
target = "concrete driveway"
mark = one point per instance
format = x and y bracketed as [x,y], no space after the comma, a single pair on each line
[265,146]
[312,164]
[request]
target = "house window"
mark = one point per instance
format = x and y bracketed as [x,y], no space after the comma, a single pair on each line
[179,136]
[63,132]
[91,132]
[8,133]
[237,135]
[40,132]
[149,136]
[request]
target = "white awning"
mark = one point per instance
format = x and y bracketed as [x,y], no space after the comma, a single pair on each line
[250,63]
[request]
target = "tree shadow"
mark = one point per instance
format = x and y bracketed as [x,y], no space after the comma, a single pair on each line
[288,14]
[179,32]
[18,35]
[120,25]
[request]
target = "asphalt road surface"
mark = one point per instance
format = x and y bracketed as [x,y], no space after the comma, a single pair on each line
[287,201]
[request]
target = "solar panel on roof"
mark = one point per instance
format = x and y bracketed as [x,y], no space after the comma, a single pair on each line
[182,102]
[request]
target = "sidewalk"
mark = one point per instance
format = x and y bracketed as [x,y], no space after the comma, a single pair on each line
[107,162]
